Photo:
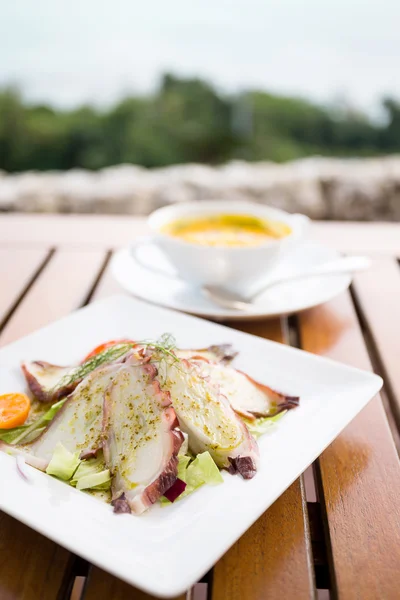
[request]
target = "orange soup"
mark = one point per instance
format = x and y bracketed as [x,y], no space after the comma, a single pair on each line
[226,230]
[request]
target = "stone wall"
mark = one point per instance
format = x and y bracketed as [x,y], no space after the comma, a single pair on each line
[323,188]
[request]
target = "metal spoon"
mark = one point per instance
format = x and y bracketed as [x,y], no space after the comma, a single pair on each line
[236,301]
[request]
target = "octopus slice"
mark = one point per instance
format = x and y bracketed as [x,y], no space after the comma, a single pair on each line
[43,378]
[222,353]
[248,397]
[205,414]
[49,383]
[77,425]
[140,438]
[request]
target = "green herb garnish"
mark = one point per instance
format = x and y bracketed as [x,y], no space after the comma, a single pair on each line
[165,344]
[90,365]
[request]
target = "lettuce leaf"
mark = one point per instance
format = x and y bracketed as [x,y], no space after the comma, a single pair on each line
[183,461]
[92,474]
[9,435]
[263,424]
[27,433]
[63,463]
[203,470]
[195,473]
[100,480]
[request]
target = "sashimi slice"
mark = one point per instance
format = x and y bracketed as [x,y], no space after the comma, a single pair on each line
[141,439]
[220,353]
[49,383]
[43,378]
[247,396]
[205,414]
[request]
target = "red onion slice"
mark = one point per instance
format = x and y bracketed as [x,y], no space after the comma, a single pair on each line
[21,468]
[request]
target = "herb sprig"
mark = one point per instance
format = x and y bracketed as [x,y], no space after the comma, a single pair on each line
[79,372]
[165,344]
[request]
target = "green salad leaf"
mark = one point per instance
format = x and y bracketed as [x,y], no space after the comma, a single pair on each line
[183,461]
[63,463]
[263,424]
[92,474]
[88,474]
[100,480]
[27,433]
[9,435]
[195,473]
[203,470]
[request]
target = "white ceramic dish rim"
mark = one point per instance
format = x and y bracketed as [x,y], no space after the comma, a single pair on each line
[161,216]
[221,314]
[111,533]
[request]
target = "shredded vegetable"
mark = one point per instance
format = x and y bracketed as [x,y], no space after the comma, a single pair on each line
[27,433]
[63,463]
[195,473]
[262,425]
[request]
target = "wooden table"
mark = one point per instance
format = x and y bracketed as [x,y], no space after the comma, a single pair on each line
[338,527]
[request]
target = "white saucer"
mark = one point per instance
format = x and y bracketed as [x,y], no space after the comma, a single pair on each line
[283,299]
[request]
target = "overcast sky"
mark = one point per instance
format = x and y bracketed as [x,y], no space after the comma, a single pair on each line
[98,50]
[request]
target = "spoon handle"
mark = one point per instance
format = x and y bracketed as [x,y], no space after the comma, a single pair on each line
[347,264]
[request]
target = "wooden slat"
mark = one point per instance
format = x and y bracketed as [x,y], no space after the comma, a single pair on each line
[378,294]
[32,566]
[107,286]
[100,231]
[17,268]
[114,231]
[273,558]
[103,585]
[360,474]
[358,238]
[63,285]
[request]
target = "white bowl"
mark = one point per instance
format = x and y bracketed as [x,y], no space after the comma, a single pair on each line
[206,265]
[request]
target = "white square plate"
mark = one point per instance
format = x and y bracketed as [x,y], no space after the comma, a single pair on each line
[168,549]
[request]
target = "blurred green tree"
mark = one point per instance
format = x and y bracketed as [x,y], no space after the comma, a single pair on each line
[390,134]
[186,120]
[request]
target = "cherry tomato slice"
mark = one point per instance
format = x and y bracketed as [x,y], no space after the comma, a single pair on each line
[14,410]
[104,346]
